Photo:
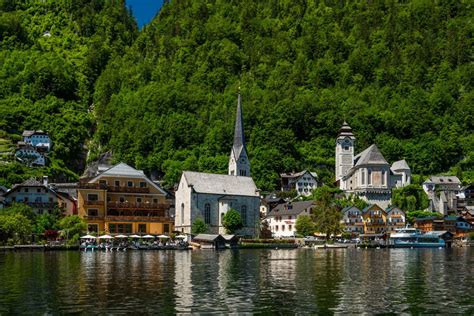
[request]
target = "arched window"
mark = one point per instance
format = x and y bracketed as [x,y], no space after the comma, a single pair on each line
[182,213]
[207,213]
[244,214]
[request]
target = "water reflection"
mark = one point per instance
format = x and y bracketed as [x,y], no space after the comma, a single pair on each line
[336,281]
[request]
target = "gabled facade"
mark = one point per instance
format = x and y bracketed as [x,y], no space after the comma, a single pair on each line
[123,200]
[375,220]
[367,175]
[396,218]
[353,220]
[303,182]
[210,196]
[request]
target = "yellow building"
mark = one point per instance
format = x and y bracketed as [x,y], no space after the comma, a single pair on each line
[122,200]
[375,221]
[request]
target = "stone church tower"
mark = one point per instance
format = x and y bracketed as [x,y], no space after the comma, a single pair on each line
[239,164]
[345,144]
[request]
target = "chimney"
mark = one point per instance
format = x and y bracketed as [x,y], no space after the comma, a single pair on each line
[45,180]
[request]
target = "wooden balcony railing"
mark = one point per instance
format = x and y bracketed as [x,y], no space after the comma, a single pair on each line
[137,206]
[137,218]
[110,188]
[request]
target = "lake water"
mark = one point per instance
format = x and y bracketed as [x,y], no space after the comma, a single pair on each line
[336,281]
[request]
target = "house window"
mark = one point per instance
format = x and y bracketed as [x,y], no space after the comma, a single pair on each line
[207,213]
[103,182]
[383,177]
[282,227]
[139,200]
[276,227]
[289,227]
[182,213]
[50,200]
[117,183]
[122,199]
[93,228]
[92,212]
[370,177]
[38,199]
[362,177]
[142,228]
[25,199]
[346,148]
[26,190]
[38,190]
[243,173]
[290,217]
[166,228]
[130,184]
[92,197]
[142,184]
[155,201]
[244,214]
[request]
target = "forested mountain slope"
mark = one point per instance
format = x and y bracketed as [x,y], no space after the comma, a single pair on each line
[52,52]
[400,73]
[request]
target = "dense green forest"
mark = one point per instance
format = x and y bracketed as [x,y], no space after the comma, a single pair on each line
[163,99]
[52,53]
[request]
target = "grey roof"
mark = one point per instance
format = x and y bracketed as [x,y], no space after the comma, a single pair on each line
[123,170]
[220,184]
[207,237]
[348,208]
[371,155]
[292,208]
[239,139]
[345,131]
[443,180]
[27,133]
[3,189]
[298,174]
[400,165]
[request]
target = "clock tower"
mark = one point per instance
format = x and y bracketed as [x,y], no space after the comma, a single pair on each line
[345,144]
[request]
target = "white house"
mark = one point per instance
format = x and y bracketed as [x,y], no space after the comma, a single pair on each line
[303,182]
[210,196]
[443,193]
[367,175]
[282,219]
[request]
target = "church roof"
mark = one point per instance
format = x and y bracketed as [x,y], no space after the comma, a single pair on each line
[345,131]
[239,139]
[370,156]
[220,184]
[400,165]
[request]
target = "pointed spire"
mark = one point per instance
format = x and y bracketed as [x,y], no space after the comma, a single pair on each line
[346,131]
[239,139]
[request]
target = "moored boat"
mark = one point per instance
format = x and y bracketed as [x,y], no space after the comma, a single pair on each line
[413,238]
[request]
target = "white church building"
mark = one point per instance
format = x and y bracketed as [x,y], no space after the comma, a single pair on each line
[209,196]
[367,175]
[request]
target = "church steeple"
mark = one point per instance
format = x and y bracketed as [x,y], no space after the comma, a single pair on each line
[239,165]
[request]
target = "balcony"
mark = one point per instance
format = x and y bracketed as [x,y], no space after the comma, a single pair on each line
[110,188]
[160,219]
[137,206]
[128,189]
[47,205]
[93,203]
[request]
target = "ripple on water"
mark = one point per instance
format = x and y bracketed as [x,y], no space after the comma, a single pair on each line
[337,281]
